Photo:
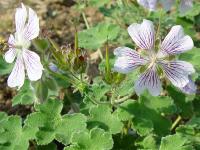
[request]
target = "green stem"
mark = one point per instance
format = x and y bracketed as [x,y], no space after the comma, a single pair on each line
[85,20]
[96,102]
[123,99]
[108,69]
[159,24]
[178,119]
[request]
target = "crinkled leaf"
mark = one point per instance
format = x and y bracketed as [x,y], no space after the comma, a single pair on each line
[191,131]
[51,125]
[101,116]
[12,135]
[70,124]
[143,126]
[96,93]
[95,139]
[148,142]
[175,142]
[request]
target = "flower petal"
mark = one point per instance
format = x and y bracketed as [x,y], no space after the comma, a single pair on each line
[148,80]
[127,60]
[167,4]
[31,30]
[143,34]
[20,18]
[17,76]
[176,42]
[11,53]
[11,41]
[185,5]
[177,72]
[189,88]
[33,65]
[149,4]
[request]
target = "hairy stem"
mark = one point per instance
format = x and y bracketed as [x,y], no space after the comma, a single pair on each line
[178,119]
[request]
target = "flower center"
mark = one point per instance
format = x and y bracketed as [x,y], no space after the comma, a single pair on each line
[153,59]
[20,42]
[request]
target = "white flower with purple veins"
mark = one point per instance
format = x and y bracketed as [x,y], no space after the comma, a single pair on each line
[185,5]
[27,29]
[156,62]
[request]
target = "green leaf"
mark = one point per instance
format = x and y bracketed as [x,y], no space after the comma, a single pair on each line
[126,87]
[175,142]
[184,107]
[41,44]
[101,116]
[42,90]
[12,135]
[144,119]
[51,84]
[192,56]
[95,37]
[95,139]
[161,104]
[148,142]
[25,96]
[69,125]
[50,125]
[5,68]
[194,122]
[96,92]
[143,126]
[98,3]
[99,89]
[194,11]
[191,131]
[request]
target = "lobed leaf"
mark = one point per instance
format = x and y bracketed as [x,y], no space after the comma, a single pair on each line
[101,116]
[144,119]
[95,139]
[50,125]
[175,142]
[12,135]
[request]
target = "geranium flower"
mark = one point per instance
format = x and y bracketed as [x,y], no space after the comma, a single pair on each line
[185,5]
[156,62]
[19,43]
